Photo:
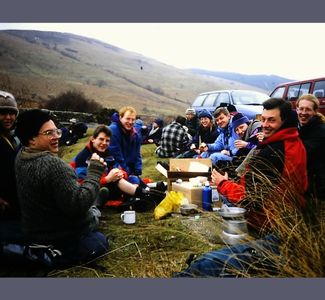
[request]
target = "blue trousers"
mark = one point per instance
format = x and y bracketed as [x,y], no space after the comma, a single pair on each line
[67,253]
[216,156]
[88,247]
[235,261]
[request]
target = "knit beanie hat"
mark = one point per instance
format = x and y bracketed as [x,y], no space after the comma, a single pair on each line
[8,102]
[159,122]
[205,114]
[190,111]
[29,124]
[239,119]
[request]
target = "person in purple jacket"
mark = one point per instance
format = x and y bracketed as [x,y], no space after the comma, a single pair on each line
[248,131]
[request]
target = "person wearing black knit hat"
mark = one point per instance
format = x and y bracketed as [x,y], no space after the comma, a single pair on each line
[56,210]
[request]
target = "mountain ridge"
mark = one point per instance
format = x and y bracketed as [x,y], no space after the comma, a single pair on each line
[53,62]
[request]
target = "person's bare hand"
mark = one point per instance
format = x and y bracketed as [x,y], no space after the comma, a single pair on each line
[225,152]
[95,156]
[240,144]
[114,175]
[260,136]
[218,177]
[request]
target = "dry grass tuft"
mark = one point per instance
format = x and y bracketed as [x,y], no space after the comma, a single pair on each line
[147,249]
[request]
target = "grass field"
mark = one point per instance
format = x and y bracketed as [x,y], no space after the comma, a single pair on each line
[158,248]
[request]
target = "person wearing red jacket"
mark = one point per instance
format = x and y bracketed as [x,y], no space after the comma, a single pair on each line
[279,164]
[276,172]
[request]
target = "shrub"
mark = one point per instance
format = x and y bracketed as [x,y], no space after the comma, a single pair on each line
[73,101]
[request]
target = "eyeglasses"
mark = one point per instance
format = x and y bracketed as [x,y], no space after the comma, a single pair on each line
[304,109]
[52,133]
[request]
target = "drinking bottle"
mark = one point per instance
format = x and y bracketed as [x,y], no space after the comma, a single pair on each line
[207,197]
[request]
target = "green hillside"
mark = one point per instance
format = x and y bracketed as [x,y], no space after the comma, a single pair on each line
[51,62]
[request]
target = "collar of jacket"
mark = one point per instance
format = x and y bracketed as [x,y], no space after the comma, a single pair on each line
[29,153]
[282,134]
[131,132]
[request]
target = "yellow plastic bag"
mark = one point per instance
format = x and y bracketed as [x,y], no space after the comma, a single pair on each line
[169,204]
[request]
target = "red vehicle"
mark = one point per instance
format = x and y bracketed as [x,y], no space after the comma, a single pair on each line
[291,91]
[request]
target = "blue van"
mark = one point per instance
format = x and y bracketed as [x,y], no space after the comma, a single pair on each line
[246,102]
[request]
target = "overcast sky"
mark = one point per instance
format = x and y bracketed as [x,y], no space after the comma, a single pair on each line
[291,50]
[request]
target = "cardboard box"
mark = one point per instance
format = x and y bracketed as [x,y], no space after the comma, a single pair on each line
[193,194]
[185,168]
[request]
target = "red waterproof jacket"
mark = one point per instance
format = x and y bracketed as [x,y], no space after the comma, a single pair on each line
[281,161]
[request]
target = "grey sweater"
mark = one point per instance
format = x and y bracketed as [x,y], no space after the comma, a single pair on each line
[54,205]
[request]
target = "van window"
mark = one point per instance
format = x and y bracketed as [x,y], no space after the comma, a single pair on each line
[209,101]
[319,89]
[295,91]
[223,98]
[278,93]
[199,100]
[247,98]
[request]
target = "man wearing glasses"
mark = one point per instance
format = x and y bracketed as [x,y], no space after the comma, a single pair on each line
[312,134]
[56,209]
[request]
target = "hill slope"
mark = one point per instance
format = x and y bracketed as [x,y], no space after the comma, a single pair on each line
[51,62]
[264,82]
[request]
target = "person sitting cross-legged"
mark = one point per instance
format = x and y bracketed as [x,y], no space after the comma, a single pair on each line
[114,179]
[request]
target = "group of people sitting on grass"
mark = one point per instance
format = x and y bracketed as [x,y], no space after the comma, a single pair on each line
[49,210]
[52,209]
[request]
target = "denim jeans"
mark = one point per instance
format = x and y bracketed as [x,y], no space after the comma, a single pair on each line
[235,261]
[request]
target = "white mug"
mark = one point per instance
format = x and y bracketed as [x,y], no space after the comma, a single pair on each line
[128,217]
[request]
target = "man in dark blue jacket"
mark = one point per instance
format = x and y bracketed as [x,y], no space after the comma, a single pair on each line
[126,142]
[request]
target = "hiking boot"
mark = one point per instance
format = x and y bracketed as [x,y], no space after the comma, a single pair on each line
[102,197]
[154,195]
[138,204]
[161,186]
[144,199]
